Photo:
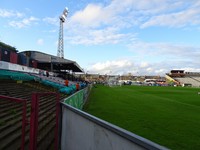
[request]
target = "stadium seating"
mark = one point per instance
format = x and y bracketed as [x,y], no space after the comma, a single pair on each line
[189,80]
[58,83]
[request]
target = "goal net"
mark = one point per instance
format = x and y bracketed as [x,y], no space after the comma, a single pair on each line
[113,81]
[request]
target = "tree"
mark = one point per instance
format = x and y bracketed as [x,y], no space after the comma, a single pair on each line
[7,47]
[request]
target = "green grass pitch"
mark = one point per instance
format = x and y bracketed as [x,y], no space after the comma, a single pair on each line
[169,116]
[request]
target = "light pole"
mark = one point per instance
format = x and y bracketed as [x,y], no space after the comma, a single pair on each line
[60,51]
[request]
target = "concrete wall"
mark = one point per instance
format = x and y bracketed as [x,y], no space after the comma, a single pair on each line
[82,131]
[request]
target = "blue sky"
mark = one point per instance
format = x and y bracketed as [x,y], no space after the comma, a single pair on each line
[141,37]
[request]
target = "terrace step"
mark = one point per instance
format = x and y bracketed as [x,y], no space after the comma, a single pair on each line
[10,137]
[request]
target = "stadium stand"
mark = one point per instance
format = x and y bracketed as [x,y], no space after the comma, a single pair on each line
[185,78]
[187,81]
[19,78]
[49,62]
[10,113]
[196,78]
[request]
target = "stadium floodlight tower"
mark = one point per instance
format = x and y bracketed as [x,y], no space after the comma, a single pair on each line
[60,52]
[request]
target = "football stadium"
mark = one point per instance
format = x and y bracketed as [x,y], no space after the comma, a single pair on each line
[45,104]
[48,102]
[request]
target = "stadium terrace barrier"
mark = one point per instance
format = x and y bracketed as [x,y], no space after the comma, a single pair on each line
[24,119]
[34,119]
[82,131]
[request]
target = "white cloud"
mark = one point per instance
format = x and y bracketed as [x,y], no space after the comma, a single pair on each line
[92,24]
[144,64]
[161,71]
[24,22]
[152,59]
[19,20]
[165,50]
[101,36]
[40,41]
[137,67]
[111,67]
[95,15]
[96,24]
[10,13]
[53,21]
[134,12]
[179,19]
[92,15]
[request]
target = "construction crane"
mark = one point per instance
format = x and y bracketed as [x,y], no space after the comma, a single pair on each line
[60,51]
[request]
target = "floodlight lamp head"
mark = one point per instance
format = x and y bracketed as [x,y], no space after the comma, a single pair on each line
[62,18]
[66,11]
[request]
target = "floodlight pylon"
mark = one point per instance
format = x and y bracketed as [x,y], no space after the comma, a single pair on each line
[60,51]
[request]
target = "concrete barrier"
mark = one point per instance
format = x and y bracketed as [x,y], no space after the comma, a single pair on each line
[82,131]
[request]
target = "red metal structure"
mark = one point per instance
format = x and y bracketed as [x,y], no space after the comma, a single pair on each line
[34,118]
[24,119]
